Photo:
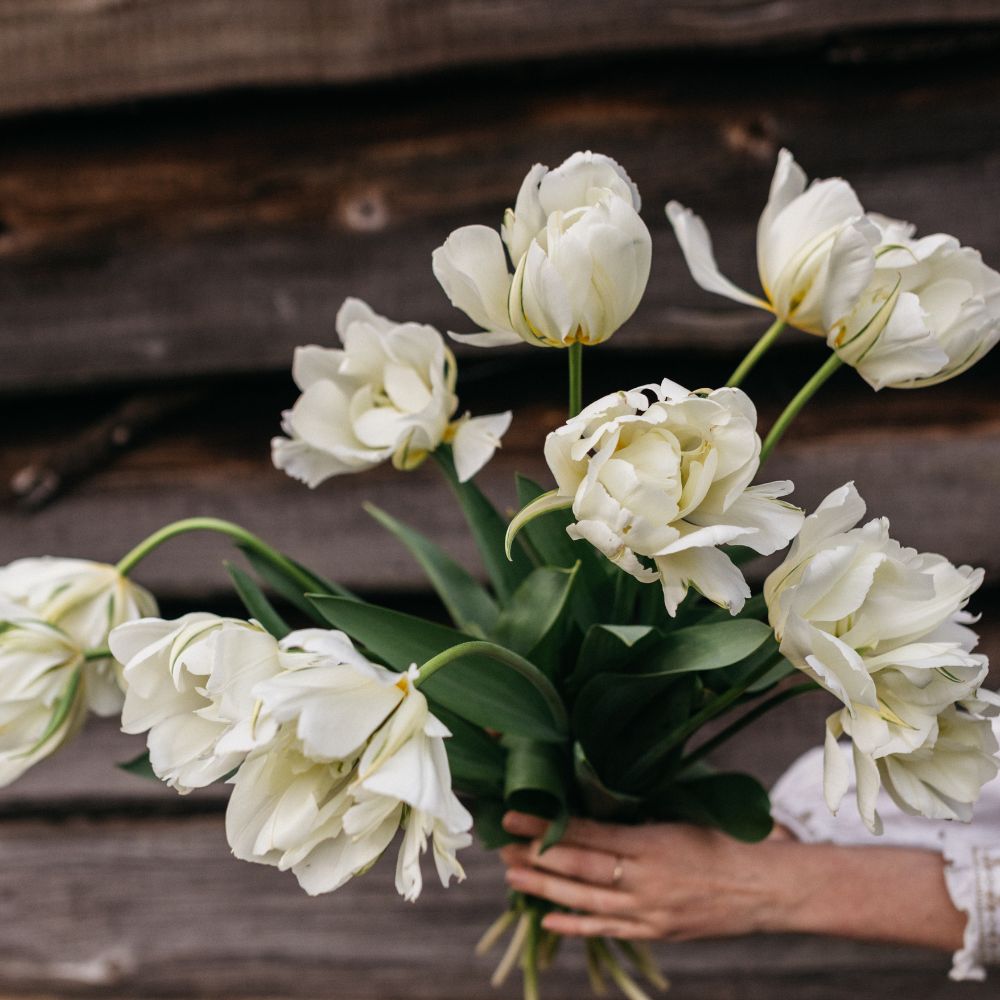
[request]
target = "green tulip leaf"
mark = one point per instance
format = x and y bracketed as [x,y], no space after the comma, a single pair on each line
[471,608]
[476,687]
[139,766]
[256,602]
[488,530]
[535,608]
[734,803]
[700,648]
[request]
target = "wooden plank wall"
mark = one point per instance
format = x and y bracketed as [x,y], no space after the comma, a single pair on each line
[187,192]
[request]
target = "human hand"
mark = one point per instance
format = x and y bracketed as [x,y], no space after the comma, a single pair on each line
[681,882]
[659,880]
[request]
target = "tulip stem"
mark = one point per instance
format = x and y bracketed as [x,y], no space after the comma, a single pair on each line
[531,673]
[575,353]
[710,746]
[756,352]
[802,397]
[97,654]
[713,708]
[240,535]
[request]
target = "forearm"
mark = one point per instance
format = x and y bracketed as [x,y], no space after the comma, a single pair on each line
[891,894]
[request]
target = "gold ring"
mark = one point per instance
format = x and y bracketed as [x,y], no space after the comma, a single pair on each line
[616,875]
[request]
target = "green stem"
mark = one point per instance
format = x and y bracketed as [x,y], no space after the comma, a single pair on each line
[575,378]
[531,673]
[710,746]
[802,397]
[756,352]
[234,531]
[97,654]
[717,705]
[530,957]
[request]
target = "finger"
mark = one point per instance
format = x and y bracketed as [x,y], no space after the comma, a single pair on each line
[580,863]
[610,837]
[566,892]
[590,925]
[516,855]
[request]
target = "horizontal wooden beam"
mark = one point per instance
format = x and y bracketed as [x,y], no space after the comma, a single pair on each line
[57,54]
[201,239]
[928,460]
[159,908]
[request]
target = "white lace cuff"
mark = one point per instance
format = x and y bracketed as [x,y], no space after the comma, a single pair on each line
[972,873]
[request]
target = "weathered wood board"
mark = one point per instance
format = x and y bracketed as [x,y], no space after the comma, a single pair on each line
[58,53]
[158,908]
[940,498]
[199,240]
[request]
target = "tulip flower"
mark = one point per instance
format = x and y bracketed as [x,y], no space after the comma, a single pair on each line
[883,629]
[580,254]
[930,312]
[659,475]
[389,393]
[43,690]
[358,756]
[86,600]
[189,685]
[815,250]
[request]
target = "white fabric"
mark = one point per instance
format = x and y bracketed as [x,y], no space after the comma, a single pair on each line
[971,850]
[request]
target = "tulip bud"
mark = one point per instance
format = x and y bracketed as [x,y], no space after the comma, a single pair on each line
[581,257]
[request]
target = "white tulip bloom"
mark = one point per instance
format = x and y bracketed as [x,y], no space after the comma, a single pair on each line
[86,600]
[882,628]
[658,478]
[189,684]
[930,312]
[359,755]
[42,683]
[815,250]
[389,393]
[580,254]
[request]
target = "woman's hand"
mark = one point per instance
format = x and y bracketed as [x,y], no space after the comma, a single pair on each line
[680,882]
[663,880]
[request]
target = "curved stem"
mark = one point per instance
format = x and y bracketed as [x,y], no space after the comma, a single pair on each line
[214,524]
[756,352]
[718,704]
[97,654]
[479,647]
[575,378]
[710,746]
[802,397]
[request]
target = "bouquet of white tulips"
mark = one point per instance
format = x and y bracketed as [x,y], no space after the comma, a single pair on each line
[616,621]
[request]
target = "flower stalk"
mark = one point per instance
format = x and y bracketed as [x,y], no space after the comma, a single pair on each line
[756,352]
[575,356]
[791,411]
[240,535]
[526,669]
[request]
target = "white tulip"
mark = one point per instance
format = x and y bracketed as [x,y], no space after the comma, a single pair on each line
[930,312]
[40,668]
[86,600]
[358,756]
[658,478]
[815,250]
[388,393]
[189,684]
[580,253]
[882,628]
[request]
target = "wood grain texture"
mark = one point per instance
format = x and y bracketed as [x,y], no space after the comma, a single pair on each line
[212,239]
[940,492]
[158,908]
[59,53]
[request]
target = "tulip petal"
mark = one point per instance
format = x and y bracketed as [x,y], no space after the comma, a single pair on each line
[475,441]
[710,571]
[696,245]
[472,269]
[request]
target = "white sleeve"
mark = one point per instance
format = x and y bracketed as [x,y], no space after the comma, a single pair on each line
[971,851]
